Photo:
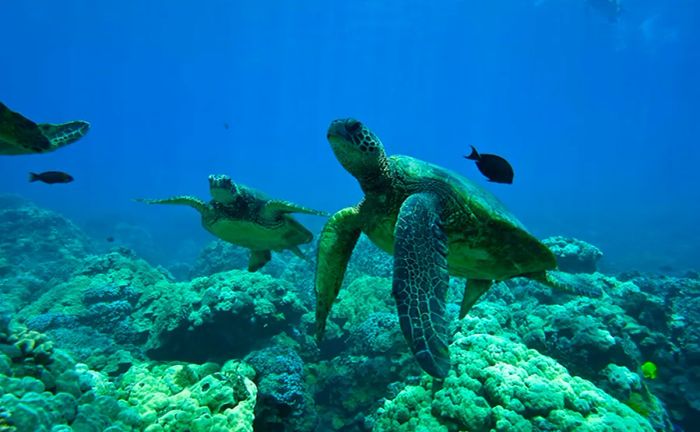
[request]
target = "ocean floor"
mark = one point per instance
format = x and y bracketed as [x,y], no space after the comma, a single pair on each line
[98,339]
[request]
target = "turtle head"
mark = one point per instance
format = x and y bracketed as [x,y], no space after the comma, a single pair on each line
[357,148]
[222,188]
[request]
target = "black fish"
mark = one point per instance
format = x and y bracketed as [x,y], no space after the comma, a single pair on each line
[110,239]
[226,126]
[51,177]
[495,168]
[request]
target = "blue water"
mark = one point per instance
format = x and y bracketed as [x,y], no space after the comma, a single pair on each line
[599,119]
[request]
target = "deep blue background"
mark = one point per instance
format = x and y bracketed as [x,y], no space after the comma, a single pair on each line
[599,119]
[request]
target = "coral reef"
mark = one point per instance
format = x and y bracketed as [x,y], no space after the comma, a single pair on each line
[497,384]
[284,403]
[574,255]
[38,248]
[184,397]
[42,388]
[114,318]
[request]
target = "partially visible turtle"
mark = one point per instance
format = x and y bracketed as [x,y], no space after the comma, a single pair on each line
[19,135]
[436,224]
[246,217]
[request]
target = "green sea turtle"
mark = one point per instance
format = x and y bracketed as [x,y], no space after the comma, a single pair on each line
[246,217]
[435,223]
[19,135]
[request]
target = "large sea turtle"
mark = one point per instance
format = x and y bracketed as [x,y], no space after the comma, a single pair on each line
[435,223]
[246,217]
[19,135]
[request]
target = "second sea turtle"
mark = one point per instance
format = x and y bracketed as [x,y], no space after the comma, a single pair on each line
[246,217]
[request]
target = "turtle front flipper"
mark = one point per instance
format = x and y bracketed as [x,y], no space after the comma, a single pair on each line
[421,279]
[473,290]
[61,135]
[187,200]
[20,135]
[276,207]
[335,245]
[258,258]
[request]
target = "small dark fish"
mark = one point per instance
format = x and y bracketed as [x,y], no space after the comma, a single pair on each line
[110,239]
[51,177]
[226,126]
[495,168]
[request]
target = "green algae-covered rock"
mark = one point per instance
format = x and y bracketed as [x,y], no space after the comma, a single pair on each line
[217,317]
[497,384]
[180,398]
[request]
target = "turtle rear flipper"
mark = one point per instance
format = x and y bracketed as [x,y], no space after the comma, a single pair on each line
[258,258]
[276,207]
[335,245]
[473,290]
[421,279]
[187,200]
[20,133]
[60,135]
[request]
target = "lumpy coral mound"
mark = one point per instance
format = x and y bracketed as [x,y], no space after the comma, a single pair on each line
[497,384]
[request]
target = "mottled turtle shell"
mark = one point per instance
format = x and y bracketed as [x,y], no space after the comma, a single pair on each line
[485,241]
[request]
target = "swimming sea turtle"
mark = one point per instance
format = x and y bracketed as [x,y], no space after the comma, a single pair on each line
[246,217]
[435,223]
[19,135]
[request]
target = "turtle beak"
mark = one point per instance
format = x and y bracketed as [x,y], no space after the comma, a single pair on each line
[344,128]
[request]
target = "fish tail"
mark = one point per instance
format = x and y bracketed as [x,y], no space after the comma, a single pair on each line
[33,177]
[474,154]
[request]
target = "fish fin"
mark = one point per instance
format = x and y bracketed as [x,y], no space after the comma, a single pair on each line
[474,155]
[33,177]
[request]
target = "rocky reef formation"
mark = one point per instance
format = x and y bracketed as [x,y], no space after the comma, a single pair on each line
[498,384]
[38,248]
[574,255]
[44,389]
[233,350]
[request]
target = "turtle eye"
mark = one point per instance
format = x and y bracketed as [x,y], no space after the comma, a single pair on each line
[352,126]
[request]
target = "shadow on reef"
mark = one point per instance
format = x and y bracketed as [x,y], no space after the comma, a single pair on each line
[525,358]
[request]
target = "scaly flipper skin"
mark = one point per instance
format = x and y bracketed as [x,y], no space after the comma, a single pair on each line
[60,135]
[421,280]
[258,259]
[20,133]
[277,207]
[335,246]
[187,200]
[473,290]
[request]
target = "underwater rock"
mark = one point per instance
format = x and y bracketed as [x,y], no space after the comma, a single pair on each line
[497,384]
[284,403]
[91,313]
[219,256]
[574,255]
[218,317]
[43,387]
[629,388]
[38,248]
[368,260]
[187,397]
